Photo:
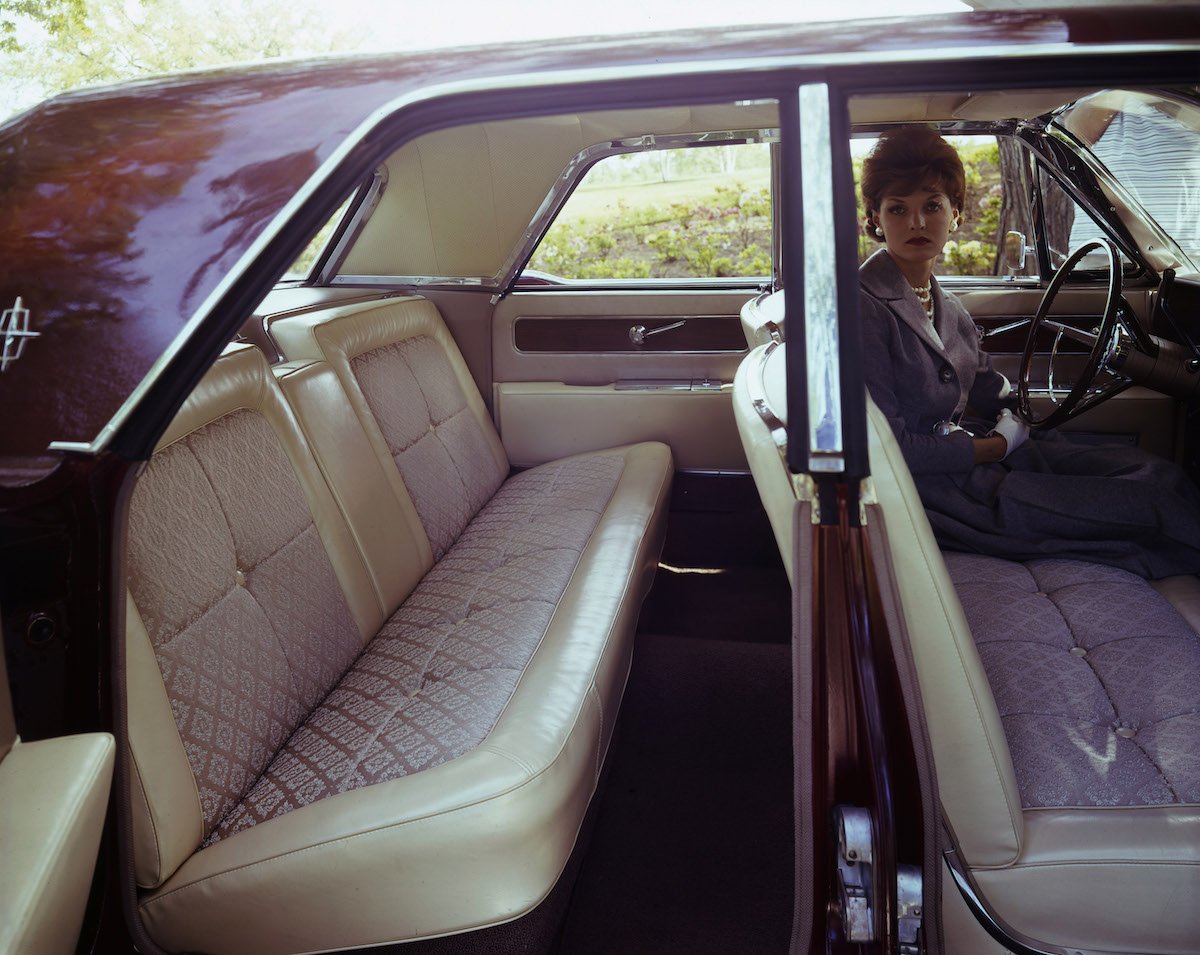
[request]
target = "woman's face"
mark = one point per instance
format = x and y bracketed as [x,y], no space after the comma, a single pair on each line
[915,226]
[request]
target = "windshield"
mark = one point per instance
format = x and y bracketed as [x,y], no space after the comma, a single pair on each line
[1146,147]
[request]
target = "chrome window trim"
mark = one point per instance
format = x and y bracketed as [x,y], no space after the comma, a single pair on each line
[388,281]
[989,282]
[1113,186]
[825,439]
[695,283]
[1047,163]
[748,283]
[332,257]
[776,216]
[343,154]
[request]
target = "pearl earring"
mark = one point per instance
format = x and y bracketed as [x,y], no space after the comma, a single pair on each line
[954,226]
[879,232]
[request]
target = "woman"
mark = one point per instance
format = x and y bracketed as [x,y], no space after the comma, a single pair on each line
[988,489]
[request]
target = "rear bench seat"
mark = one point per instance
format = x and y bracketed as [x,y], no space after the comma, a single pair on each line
[371,681]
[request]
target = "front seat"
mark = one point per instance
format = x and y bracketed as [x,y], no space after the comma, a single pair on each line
[1074,844]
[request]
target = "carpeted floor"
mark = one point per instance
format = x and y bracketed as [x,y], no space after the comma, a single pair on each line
[692,850]
[721,576]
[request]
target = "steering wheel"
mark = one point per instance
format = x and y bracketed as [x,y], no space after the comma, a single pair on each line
[1103,340]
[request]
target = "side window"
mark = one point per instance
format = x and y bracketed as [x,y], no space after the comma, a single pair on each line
[364,200]
[1068,226]
[997,202]
[696,212]
[308,258]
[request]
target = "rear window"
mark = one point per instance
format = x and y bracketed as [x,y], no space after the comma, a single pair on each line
[696,212]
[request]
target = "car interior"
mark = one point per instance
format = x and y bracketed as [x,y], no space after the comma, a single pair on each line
[427,738]
[460,594]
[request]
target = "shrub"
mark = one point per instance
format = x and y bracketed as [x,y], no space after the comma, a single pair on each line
[722,232]
[971,257]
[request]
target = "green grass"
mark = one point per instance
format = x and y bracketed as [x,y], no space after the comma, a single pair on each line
[597,202]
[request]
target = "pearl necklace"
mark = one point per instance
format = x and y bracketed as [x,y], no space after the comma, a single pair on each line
[924,295]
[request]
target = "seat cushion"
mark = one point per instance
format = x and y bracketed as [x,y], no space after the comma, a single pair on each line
[434,680]
[1096,677]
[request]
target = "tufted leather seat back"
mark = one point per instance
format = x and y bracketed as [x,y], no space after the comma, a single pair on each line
[233,539]
[415,398]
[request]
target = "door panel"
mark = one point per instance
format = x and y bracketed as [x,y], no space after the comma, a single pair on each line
[540,421]
[53,799]
[570,378]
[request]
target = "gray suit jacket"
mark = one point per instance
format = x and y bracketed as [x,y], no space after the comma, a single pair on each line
[915,381]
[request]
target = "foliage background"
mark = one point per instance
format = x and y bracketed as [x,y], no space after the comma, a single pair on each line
[48,46]
[706,212]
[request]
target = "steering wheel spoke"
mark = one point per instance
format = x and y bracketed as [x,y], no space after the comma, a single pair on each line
[1069,331]
[1099,393]
[1085,393]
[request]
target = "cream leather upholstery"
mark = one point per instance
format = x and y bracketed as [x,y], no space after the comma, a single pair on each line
[55,796]
[468,841]
[541,421]
[762,319]
[979,796]
[760,383]
[1106,879]
[53,801]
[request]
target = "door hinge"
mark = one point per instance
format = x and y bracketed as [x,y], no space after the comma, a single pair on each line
[909,909]
[855,842]
[855,833]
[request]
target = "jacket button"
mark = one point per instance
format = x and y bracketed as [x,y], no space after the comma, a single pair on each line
[946,373]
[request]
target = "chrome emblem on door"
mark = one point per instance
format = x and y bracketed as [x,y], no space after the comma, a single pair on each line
[14,326]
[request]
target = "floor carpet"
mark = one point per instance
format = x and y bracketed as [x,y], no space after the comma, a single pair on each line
[692,850]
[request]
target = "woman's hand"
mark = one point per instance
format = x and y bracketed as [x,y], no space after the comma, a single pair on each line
[1013,430]
[1008,435]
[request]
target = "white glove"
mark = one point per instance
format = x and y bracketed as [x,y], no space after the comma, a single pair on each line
[1012,429]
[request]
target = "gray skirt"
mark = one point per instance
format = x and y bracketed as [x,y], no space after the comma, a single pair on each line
[1052,497]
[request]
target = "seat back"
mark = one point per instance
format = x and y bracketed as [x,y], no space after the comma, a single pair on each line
[760,409]
[415,398]
[247,601]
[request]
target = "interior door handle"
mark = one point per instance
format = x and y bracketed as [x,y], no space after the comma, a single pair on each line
[1001,329]
[638,333]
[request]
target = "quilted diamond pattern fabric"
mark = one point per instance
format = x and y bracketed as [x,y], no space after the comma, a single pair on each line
[1096,677]
[433,682]
[245,614]
[435,440]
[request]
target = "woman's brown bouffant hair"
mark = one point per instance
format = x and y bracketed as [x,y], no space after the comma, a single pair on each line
[904,160]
